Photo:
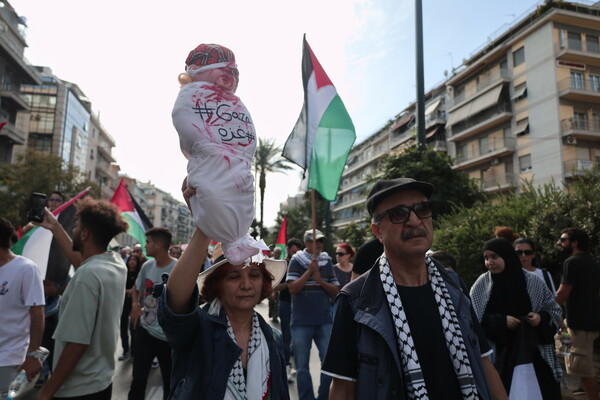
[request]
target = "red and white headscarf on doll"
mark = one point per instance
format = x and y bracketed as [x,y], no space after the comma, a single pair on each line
[206,57]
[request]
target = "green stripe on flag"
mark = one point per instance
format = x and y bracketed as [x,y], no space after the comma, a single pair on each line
[18,247]
[333,140]
[135,230]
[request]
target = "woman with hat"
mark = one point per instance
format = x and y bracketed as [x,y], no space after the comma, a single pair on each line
[519,317]
[223,349]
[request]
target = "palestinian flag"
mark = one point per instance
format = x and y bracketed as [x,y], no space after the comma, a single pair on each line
[133,214]
[281,238]
[40,246]
[324,133]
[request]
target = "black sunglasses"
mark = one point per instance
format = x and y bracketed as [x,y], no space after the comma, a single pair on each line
[401,214]
[340,254]
[526,252]
[563,239]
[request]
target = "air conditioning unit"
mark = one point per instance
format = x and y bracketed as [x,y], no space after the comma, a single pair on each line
[569,140]
[495,161]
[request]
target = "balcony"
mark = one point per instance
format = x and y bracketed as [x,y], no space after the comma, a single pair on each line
[10,92]
[578,51]
[485,81]
[579,89]
[580,128]
[495,149]
[578,167]
[436,117]
[481,122]
[438,145]
[13,134]
[499,183]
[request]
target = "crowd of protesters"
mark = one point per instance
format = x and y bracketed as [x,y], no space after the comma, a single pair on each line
[391,320]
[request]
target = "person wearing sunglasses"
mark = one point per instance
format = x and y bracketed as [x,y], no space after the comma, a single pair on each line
[406,326]
[343,269]
[525,249]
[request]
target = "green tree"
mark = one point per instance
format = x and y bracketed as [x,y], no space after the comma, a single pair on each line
[37,172]
[537,212]
[267,159]
[355,234]
[453,188]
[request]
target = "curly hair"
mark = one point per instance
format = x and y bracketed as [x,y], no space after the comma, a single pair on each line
[101,218]
[210,289]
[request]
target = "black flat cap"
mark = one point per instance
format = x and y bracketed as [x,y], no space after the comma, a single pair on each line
[385,188]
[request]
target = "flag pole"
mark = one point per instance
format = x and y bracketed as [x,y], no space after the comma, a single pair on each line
[313,201]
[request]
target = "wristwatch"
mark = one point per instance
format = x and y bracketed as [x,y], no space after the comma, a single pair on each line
[39,354]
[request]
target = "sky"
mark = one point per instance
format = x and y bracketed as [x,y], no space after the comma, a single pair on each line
[126,56]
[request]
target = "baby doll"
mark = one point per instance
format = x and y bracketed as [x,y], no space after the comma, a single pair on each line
[217,136]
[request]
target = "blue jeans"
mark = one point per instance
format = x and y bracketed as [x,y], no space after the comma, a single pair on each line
[285,313]
[302,337]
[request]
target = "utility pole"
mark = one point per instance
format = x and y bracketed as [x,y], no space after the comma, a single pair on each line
[420,74]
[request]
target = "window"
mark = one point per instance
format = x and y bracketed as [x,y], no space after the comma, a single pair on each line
[525,163]
[579,120]
[595,83]
[576,80]
[574,39]
[519,57]
[522,127]
[483,145]
[520,92]
[592,44]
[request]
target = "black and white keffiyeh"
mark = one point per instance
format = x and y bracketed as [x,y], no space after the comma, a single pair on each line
[413,376]
[257,382]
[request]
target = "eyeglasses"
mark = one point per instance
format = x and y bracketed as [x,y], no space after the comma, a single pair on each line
[525,252]
[340,254]
[401,214]
[55,200]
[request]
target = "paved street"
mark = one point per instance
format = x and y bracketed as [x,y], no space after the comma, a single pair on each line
[154,391]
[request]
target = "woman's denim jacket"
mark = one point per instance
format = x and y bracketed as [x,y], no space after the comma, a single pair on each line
[203,353]
[379,364]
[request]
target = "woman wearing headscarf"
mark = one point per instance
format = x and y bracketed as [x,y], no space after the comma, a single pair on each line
[223,349]
[520,317]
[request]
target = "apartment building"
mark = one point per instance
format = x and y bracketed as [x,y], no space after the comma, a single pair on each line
[101,166]
[396,136]
[523,107]
[14,71]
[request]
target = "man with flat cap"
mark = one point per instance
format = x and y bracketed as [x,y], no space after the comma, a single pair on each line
[406,329]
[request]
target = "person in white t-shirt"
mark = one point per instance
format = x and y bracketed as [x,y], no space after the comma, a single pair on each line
[22,316]
[525,249]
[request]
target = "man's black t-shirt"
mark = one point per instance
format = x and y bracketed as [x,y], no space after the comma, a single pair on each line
[427,333]
[583,303]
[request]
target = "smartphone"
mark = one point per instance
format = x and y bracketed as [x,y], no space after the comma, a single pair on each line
[36,207]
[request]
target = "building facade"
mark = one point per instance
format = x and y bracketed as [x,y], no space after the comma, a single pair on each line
[14,71]
[523,108]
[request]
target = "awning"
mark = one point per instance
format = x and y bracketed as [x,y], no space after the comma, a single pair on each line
[479,104]
[404,121]
[433,132]
[521,92]
[522,129]
[431,108]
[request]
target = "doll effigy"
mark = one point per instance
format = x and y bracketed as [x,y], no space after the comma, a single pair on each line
[217,136]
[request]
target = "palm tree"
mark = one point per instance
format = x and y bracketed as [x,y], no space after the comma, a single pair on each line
[267,159]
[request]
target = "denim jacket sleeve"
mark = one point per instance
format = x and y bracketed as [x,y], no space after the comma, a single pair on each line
[177,327]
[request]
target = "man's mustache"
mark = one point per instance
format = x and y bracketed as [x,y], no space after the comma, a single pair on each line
[414,232]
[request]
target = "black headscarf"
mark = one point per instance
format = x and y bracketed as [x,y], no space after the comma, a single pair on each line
[509,291]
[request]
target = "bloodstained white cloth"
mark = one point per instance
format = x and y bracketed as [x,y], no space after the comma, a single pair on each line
[217,136]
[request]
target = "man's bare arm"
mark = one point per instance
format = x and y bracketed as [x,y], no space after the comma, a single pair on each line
[36,329]
[563,293]
[342,390]
[67,362]
[494,382]
[62,238]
